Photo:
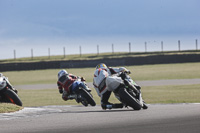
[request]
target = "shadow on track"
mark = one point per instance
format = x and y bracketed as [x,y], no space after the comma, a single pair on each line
[98,111]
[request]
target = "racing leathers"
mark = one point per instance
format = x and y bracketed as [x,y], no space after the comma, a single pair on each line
[99,82]
[64,83]
[8,84]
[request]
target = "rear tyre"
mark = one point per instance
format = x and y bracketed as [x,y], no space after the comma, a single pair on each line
[129,100]
[12,97]
[87,96]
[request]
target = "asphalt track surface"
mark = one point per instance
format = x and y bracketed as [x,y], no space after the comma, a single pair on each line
[158,118]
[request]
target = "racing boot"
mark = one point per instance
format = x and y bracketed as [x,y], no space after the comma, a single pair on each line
[138,87]
[111,106]
[106,106]
[118,105]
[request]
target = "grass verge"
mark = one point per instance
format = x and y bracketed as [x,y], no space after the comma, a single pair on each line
[8,107]
[152,94]
[46,97]
[172,94]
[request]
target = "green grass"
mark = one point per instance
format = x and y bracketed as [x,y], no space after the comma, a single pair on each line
[44,76]
[172,94]
[46,97]
[7,108]
[143,72]
[152,94]
[166,71]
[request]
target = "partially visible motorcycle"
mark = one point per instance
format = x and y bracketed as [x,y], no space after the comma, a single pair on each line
[82,93]
[7,94]
[126,90]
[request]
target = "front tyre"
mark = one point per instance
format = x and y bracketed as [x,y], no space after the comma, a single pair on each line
[12,97]
[128,99]
[87,96]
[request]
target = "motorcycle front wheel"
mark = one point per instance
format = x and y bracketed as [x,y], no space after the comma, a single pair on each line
[87,96]
[128,99]
[12,97]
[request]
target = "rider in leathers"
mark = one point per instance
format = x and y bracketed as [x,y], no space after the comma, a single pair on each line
[7,83]
[66,82]
[102,91]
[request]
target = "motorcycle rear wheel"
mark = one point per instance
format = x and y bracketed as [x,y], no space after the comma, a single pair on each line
[128,99]
[12,97]
[88,97]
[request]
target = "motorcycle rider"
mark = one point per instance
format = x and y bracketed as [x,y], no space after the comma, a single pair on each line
[100,84]
[66,83]
[5,83]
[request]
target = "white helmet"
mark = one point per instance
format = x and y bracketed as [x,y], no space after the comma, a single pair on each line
[2,83]
[102,66]
[61,73]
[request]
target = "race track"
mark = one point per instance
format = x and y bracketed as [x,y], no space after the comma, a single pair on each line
[159,118]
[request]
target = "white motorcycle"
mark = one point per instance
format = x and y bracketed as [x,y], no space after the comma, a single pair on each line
[8,94]
[126,90]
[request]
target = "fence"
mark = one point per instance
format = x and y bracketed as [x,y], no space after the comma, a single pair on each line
[112,49]
[156,59]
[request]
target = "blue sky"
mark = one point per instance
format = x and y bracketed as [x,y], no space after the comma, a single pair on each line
[39,24]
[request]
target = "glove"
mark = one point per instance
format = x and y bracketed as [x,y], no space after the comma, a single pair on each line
[123,69]
[15,90]
[128,72]
[60,91]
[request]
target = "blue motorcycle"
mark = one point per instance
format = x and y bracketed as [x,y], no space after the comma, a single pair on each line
[81,93]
